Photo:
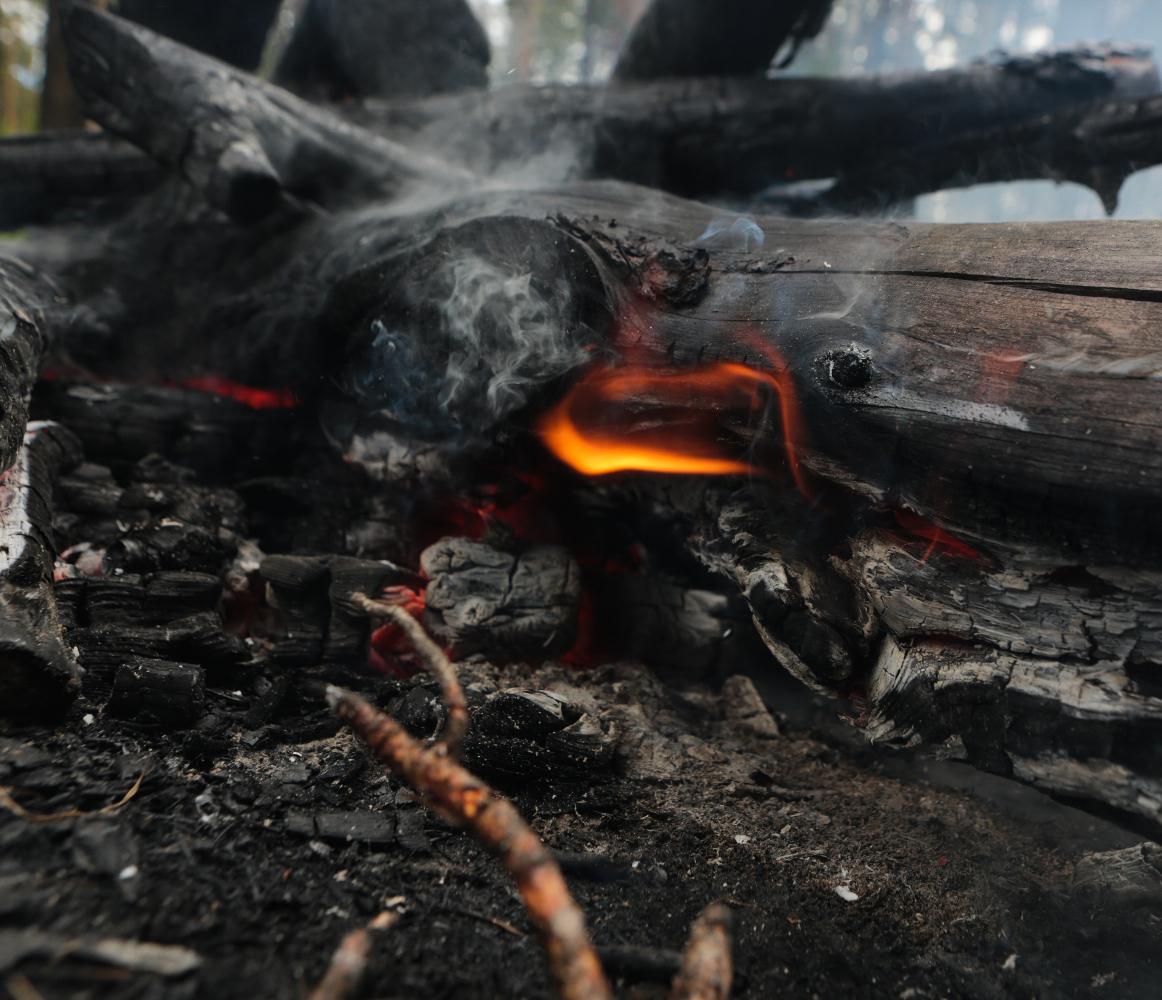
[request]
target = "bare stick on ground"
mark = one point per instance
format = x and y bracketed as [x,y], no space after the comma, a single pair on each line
[435,661]
[346,969]
[707,969]
[461,798]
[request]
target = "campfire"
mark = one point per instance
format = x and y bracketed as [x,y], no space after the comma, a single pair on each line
[511,542]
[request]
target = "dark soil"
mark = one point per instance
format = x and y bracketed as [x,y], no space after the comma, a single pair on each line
[237,847]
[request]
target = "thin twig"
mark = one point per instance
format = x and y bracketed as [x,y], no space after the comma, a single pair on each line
[437,663]
[463,799]
[707,968]
[346,969]
[14,807]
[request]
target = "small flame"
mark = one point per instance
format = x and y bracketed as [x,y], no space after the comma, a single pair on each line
[637,418]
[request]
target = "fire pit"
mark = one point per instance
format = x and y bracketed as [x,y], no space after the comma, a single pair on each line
[374,514]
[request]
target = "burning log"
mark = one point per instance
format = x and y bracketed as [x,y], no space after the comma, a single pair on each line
[38,674]
[887,137]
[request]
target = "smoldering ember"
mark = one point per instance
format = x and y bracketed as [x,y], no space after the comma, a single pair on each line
[511,542]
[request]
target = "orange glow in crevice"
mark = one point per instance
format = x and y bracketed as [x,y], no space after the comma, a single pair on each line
[939,541]
[640,418]
[247,395]
[388,643]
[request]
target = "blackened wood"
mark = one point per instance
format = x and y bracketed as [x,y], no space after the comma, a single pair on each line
[52,175]
[384,48]
[727,38]
[38,674]
[297,590]
[706,137]
[26,300]
[504,606]
[215,437]
[1098,146]
[158,692]
[242,143]
[225,29]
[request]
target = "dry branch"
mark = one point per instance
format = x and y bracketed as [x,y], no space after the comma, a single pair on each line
[465,800]
[707,969]
[726,38]
[436,662]
[348,964]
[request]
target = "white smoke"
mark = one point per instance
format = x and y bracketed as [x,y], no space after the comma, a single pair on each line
[506,337]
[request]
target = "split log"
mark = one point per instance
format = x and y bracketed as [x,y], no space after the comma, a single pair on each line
[704,136]
[729,38]
[38,674]
[26,299]
[233,32]
[155,692]
[1098,146]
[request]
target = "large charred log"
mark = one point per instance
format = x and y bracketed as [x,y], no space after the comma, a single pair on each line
[38,674]
[243,144]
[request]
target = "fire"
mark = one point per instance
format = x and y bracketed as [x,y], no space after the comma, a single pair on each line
[638,418]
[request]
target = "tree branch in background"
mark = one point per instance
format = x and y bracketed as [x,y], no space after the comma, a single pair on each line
[384,48]
[685,38]
[714,137]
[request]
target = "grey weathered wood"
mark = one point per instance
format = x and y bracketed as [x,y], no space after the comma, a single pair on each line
[726,38]
[1131,876]
[242,143]
[505,606]
[38,673]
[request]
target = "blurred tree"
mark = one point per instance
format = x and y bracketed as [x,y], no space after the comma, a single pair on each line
[22,26]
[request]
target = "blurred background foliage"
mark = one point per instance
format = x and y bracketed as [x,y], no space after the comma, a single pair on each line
[542,41]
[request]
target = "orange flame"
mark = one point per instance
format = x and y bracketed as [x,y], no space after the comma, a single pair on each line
[642,419]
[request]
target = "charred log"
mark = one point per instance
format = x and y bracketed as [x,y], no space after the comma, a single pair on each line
[242,143]
[707,137]
[224,29]
[38,674]
[158,693]
[730,38]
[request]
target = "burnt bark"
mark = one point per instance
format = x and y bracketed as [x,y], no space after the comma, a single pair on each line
[38,674]
[881,138]
[227,30]
[709,137]
[958,529]
[676,38]
[243,144]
